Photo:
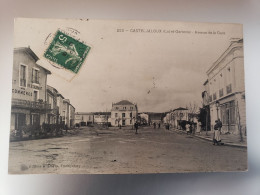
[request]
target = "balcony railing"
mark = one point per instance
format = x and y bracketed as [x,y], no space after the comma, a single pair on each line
[30,104]
[55,110]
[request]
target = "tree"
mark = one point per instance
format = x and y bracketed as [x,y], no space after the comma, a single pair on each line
[204,117]
[192,111]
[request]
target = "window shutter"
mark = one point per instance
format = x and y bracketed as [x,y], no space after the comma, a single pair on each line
[32,75]
[37,76]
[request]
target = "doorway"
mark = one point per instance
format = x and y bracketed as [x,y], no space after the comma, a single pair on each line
[20,121]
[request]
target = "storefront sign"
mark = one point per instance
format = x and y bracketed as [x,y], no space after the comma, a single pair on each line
[34,86]
[23,92]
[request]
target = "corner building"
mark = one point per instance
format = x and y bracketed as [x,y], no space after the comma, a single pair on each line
[29,98]
[226,89]
[123,113]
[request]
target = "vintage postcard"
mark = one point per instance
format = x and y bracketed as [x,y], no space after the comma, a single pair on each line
[127,97]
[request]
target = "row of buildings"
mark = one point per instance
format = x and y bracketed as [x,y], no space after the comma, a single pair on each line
[33,101]
[90,118]
[123,113]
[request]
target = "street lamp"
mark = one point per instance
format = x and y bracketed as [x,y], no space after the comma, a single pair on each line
[217,105]
[206,106]
[131,115]
[206,121]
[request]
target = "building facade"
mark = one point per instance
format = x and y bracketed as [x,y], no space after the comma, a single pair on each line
[52,97]
[68,114]
[177,115]
[29,97]
[60,108]
[123,113]
[102,117]
[84,118]
[90,118]
[72,116]
[155,117]
[225,89]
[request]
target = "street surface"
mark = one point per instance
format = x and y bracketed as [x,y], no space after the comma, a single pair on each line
[117,151]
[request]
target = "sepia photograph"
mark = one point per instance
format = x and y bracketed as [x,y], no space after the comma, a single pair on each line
[127,97]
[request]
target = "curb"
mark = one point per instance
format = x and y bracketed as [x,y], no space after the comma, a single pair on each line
[210,140]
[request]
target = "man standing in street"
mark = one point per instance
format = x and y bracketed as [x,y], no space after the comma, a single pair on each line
[136,127]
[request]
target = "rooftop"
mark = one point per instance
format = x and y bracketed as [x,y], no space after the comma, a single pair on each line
[180,108]
[93,113]
[124,102]
[30,52]
[234,43]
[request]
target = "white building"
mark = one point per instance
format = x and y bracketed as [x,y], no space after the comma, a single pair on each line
[123,113]
[177,115]
[84,118]
[225,89]
[102,117]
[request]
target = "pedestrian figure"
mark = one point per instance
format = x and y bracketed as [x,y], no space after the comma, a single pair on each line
[216,136]
[187,126]
[199,127]
[159,125]
[66,128]
[154,125]
[193,128]
[136,127]
[190,123]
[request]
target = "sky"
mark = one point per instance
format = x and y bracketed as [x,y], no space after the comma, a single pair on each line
[159,65]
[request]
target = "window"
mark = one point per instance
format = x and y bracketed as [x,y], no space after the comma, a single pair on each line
[116,108]
[221,92]
[50,100]
[131,114]
[214,96]
[116,114]
[35,75]
[123,114]
[23,76]
[210,98]
[64,114]
[229,88]
[228,113]
[35,95]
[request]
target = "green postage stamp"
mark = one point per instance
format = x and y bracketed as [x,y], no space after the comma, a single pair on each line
[67,52]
